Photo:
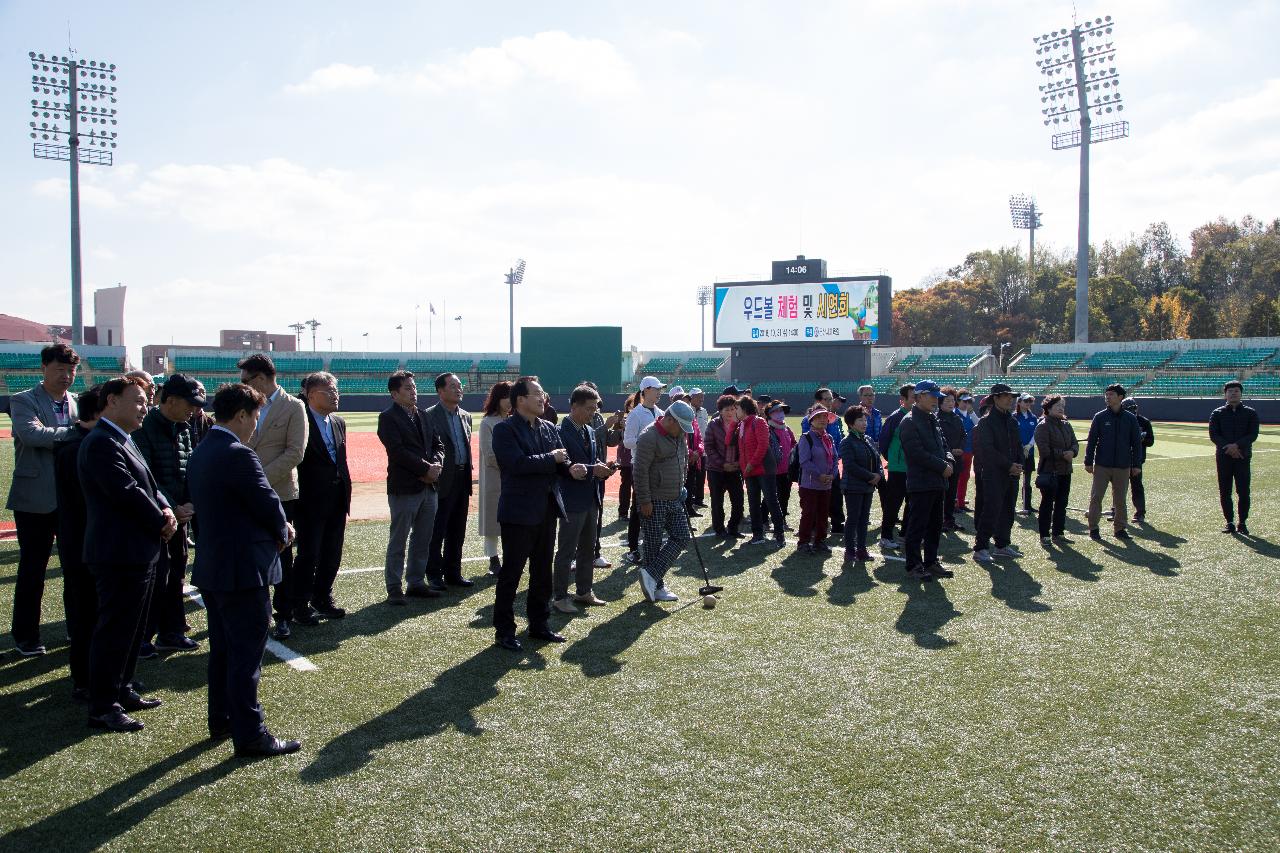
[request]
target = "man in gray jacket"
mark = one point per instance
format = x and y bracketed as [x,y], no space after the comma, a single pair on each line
[658,468]
[43,418]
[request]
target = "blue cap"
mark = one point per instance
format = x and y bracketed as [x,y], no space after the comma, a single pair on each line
[928,387]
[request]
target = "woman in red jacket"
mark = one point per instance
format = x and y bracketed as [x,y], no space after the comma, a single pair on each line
[760,454]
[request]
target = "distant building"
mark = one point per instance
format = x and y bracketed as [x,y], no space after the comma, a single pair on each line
[155,357]
[108,328]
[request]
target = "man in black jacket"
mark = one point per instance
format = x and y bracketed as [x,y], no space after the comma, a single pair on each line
[1111,456]
[997,465]
[79,593]
[324,499]
[415,458]
[531,458]
[1138,491]
[127,522]
[453,424]
[165,443]
[929,467]
[1233,428]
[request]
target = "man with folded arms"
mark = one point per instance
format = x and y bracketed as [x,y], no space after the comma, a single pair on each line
[127,522]
[241,533]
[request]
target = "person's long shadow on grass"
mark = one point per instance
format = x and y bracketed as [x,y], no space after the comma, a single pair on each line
[852,580]
[93,823]
[799,573]
[1068,560]
[598,653]
[450,701]
[1014,586]
[926,611]
[40,720]
[1161,538]
[1129,551]
[1262,546]
[368,621]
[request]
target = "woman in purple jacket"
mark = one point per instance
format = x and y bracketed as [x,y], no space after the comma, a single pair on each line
[817,473]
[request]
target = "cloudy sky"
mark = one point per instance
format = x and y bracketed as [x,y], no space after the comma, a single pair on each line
[294,160]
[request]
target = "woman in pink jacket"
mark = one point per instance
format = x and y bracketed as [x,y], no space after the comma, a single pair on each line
[775,415]
[761,456]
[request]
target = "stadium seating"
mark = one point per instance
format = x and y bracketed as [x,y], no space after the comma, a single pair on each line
[1128,359]
[903,365]
[1221,359]
[494,365]
[213,363]
[102,363]
[435,366]
[347,364]
[881,384]
[660,366]
[1093,384]
[702,364]
[1197,385]
[299,365]
[1265,386]
[18,360]
[212,381]
[363,384]
[951,362]
[776,388]
[959,380]
[1043,361]
[1031,383]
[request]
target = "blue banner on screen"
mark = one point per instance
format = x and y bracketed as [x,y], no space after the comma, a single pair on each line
[817,312]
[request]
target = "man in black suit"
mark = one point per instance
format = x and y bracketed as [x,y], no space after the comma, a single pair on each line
[242,531]
[127,522]
[453,425]
[324,499]
[79,593]
[531,458]
[415,458]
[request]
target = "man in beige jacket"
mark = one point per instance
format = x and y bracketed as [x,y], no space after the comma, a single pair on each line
[280,440]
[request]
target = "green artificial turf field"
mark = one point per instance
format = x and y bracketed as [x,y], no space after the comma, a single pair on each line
[1091,697]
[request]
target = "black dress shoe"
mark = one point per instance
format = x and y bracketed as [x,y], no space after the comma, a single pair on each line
[396,598]
[306,617]
[422,592]
[219,733]
[134,702]
[938,570]
[281,631]
[547,635]
[267,746]
[1123,534]
[1095,535]
[436,584]
[30,650]
[329,609]
[1230,528]
[1242,529]
[495,566]
[115,721]
[509,643]
[459,581]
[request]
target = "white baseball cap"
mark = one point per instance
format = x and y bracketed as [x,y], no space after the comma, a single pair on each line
[650,382]
[675,389]
[693,392]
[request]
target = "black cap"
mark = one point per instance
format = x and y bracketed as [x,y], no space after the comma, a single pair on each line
[1000,388]
[838,397]
[732,389]
[184,387]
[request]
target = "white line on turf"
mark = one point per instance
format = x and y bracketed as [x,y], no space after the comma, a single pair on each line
[280,650]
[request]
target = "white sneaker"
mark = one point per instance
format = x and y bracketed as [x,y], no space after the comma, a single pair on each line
[983,556]
[648,585]
[1005,552]
[664,594]
[564,605]
[889,545]
[602,563]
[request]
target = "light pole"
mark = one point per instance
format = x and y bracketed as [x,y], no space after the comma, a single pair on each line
[79,82]
[331,344]
[514,276]
[1025,214]
[297,334]
[705,295]
[314,324]
[365,335]
[1068,100]
[459,319]
[400,329]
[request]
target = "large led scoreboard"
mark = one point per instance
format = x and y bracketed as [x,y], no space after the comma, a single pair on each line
[802,321]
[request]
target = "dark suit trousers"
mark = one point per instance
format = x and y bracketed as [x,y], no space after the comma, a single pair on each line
[81,597]
[35,545]
[1231,472]
[283,601]
[924,527]
[520,542]
[238,625]
[892,497]
[123,594]
[168,614]
[450,529]
[321,530]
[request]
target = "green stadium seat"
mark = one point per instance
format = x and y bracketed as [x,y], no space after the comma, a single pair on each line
[951,362]
[660,366]
[1221,359]
[1128,359]
[359,365]
[904,364]
[702,364]
[1042,361]
[435,366]
[495,365]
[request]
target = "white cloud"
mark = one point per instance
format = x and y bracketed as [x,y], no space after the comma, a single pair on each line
[336,77]
[91,195]
[585,66]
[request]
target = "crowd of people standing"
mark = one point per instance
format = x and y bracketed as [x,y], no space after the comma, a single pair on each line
[127,477]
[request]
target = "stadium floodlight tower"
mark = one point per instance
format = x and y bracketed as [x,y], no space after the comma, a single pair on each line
[1080,76]
[314,324]
[297,334]
[76,87]
[705,294]
[1025,214]
[514,276]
